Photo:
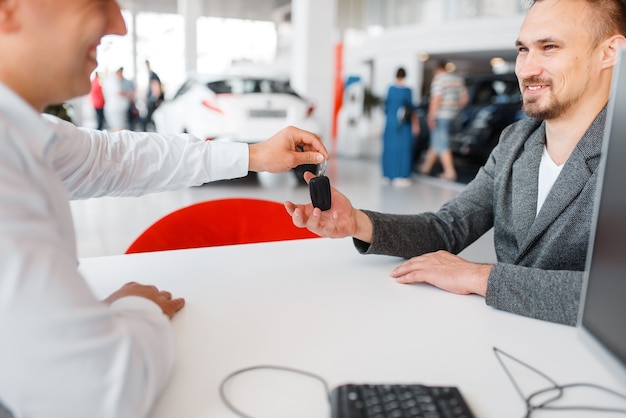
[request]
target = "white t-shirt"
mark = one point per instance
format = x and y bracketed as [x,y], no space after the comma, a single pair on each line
[64,353]
[548,173]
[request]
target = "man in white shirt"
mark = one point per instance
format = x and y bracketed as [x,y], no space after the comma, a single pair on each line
[63,353]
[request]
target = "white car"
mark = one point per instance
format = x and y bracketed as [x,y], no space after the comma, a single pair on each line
[234,108]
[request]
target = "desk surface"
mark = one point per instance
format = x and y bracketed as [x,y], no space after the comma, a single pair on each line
[319,306]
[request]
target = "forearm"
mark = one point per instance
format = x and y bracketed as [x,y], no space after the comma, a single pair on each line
[97,163]
[452,229]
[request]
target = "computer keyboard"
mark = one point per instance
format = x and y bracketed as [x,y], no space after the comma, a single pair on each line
[398,401]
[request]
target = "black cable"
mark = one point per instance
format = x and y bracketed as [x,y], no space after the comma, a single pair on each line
[234,409]
[545,405]
[560,389]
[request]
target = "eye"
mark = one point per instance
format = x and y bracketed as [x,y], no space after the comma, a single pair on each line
[549,47]
[521,49]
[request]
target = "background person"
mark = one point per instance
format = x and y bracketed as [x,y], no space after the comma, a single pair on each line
[65,354]
[119,93]
[97,100]
[397,155]
[541,217]
[448,95]
[154,97]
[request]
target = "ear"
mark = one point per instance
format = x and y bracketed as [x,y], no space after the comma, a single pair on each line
[8,13]
[610,52]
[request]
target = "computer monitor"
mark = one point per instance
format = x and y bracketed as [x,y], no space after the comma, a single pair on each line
[602,320]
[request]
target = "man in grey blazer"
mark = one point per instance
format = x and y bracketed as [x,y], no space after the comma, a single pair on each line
[537,188]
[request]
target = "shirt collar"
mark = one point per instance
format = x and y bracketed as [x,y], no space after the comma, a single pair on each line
[17,115]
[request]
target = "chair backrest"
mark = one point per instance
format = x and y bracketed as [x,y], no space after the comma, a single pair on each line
[220,222]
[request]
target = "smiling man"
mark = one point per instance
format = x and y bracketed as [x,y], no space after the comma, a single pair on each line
[537,188]
[64,353]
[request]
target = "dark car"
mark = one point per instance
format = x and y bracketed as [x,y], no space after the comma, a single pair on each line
[494,103]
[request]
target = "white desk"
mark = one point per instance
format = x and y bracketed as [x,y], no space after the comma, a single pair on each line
[319,306]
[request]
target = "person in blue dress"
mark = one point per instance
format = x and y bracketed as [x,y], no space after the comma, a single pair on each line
[398,134]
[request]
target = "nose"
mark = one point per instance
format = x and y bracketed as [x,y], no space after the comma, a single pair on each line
[115,20]
[527,65]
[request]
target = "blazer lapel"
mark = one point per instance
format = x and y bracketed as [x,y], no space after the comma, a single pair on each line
[524,183]
[573,178]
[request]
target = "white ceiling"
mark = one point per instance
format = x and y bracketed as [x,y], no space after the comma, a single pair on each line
[241,9]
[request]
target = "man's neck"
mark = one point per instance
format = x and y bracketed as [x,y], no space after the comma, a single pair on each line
[564,133]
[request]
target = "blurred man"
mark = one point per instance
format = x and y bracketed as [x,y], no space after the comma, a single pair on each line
[448,96]
[65,354]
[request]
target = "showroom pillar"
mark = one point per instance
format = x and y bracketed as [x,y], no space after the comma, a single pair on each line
[190,10]
[313,25]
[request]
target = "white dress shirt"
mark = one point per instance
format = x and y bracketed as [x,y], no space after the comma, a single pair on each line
[64,353]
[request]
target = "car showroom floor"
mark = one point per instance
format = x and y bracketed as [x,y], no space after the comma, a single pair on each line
[107,226]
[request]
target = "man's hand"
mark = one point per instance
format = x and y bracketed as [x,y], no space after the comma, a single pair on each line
[162,298]
[445,271]
[282,151]
[341,220]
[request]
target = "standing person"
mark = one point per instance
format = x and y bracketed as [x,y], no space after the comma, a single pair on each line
[397,158]
[97,100]
[448,95]
[65,354]
[154,97]
[119,94]
[537,189]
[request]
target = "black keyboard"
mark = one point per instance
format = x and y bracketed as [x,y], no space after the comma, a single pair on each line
[398,401]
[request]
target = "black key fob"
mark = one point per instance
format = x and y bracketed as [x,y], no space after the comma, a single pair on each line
[319,188]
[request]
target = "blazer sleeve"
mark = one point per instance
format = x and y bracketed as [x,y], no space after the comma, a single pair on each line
[458,223]
[550,295]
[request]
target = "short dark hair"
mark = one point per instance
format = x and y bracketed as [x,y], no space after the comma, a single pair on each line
[609,17]
[401,73]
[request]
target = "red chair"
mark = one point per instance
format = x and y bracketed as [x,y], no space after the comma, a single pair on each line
[220,222]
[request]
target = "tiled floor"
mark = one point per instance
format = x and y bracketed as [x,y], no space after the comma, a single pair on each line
[107,226]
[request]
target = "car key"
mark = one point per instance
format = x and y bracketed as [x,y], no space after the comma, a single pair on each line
[319,188]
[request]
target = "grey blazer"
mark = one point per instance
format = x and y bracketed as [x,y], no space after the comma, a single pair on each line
[540,257]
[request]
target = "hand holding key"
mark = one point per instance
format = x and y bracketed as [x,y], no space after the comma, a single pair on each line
[342,220]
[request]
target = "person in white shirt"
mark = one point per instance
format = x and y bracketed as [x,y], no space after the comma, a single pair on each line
[63,352]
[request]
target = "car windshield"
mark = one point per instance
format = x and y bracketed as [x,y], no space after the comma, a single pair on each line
[251,85]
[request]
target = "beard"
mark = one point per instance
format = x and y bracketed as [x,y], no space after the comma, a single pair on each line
[555,108]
